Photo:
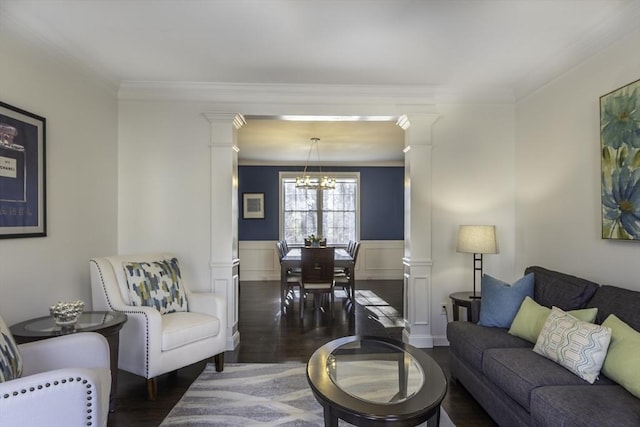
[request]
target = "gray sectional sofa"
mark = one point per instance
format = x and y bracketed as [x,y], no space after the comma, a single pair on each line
[518,387]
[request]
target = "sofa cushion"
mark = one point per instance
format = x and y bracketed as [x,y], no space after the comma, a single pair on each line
[10,358]
[519,371]
[623,303]
[156,284]
[531,318]
[562,290]
[469,341]
[584,406]
[500,301]
[578,346]
[622,363]
[181,328]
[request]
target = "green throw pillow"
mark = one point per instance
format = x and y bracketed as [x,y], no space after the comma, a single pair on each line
[10,359]
[576,345]
[531,317]
[156,284]
[623,357]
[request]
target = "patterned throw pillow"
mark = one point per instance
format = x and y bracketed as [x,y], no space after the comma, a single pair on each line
[10,359]
[576,345]
[156,284]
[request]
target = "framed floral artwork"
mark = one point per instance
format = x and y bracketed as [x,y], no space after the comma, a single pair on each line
[620,151]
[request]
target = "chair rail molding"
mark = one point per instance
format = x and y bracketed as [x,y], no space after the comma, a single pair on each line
[377,260]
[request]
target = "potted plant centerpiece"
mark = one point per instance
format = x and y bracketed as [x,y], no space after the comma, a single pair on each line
[314,240]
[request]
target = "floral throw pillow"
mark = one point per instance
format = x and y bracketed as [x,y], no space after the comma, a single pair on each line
[10,359]
[156,284]
[579,346]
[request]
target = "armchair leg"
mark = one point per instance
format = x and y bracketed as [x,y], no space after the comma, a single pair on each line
[219,361]
[152,388]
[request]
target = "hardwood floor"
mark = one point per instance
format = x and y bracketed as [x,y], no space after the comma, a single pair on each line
[266,336]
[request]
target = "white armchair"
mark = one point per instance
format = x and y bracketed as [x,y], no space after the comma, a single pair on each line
[152,344]
[65,382]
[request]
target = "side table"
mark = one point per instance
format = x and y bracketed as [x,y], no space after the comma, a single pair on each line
[472,305]
[106,323]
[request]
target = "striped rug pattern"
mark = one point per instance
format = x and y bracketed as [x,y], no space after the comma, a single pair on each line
[252,394]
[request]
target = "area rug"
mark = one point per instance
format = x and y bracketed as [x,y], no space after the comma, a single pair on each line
[252,394]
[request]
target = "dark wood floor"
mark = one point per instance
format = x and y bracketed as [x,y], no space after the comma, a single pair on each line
[266,336]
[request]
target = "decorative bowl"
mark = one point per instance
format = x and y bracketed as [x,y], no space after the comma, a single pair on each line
[66,313]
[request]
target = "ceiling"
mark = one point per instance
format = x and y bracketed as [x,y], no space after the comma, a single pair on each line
[445,45]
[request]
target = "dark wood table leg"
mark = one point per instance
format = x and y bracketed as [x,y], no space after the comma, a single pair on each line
[330,419]
[434,421]
[114,344]
[456,311]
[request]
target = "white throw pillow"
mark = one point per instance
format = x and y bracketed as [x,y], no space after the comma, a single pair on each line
[579,346]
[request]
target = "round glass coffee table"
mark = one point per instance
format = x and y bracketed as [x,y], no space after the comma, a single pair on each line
[376,381]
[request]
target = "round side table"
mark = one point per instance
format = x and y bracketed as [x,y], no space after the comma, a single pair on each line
[106,323]
[466,299]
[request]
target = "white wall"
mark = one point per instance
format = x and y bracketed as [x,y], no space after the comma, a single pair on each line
[558,172]
[164,184]
[472,184]
[81,114]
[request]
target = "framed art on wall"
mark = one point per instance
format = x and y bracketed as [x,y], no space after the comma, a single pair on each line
[620,159]
[252,205]
[22,173]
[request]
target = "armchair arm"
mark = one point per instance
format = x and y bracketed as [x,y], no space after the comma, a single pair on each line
[62,397]
[207,303]
[81,350]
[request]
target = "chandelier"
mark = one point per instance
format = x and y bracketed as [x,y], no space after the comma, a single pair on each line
[321,182]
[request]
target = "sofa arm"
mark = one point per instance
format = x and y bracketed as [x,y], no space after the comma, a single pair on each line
[81,350]
[65,397]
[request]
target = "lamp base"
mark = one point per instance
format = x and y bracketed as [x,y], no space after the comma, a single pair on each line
[475,297]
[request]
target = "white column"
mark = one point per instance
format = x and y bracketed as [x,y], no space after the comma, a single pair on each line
[224,263]
[417,252]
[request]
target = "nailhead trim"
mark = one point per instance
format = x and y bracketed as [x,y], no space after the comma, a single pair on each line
[55,383]
[146,323]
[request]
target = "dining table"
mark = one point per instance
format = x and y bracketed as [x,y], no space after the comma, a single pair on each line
[293,259]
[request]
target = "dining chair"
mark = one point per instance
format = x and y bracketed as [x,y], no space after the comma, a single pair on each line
[293,274]
[343,277]
[317,275]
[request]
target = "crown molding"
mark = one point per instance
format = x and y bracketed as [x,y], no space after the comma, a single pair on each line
[240,93]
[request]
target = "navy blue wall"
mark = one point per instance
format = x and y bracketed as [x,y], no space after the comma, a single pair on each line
[381,201]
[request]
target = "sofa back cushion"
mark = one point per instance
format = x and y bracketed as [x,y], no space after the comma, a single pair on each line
[624,303]
[562,290]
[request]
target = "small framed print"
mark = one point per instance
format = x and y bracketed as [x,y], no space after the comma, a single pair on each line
[22,173]
[252,205]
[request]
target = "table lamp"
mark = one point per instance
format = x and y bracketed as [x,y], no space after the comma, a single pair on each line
[477,240]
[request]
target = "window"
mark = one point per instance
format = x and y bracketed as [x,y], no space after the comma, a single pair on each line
[332,214]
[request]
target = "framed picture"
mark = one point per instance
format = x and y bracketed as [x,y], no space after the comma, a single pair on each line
[252,205]
[620,159]
[22,173]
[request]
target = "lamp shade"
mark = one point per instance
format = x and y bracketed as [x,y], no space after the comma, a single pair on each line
[477,239]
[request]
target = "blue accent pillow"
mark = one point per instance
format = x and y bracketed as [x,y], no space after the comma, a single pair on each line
[500,301]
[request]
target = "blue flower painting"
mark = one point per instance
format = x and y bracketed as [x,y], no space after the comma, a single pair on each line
[620,150]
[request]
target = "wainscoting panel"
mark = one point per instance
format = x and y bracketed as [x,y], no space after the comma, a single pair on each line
[377,260]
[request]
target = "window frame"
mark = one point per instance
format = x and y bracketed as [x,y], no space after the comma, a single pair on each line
[292,175]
